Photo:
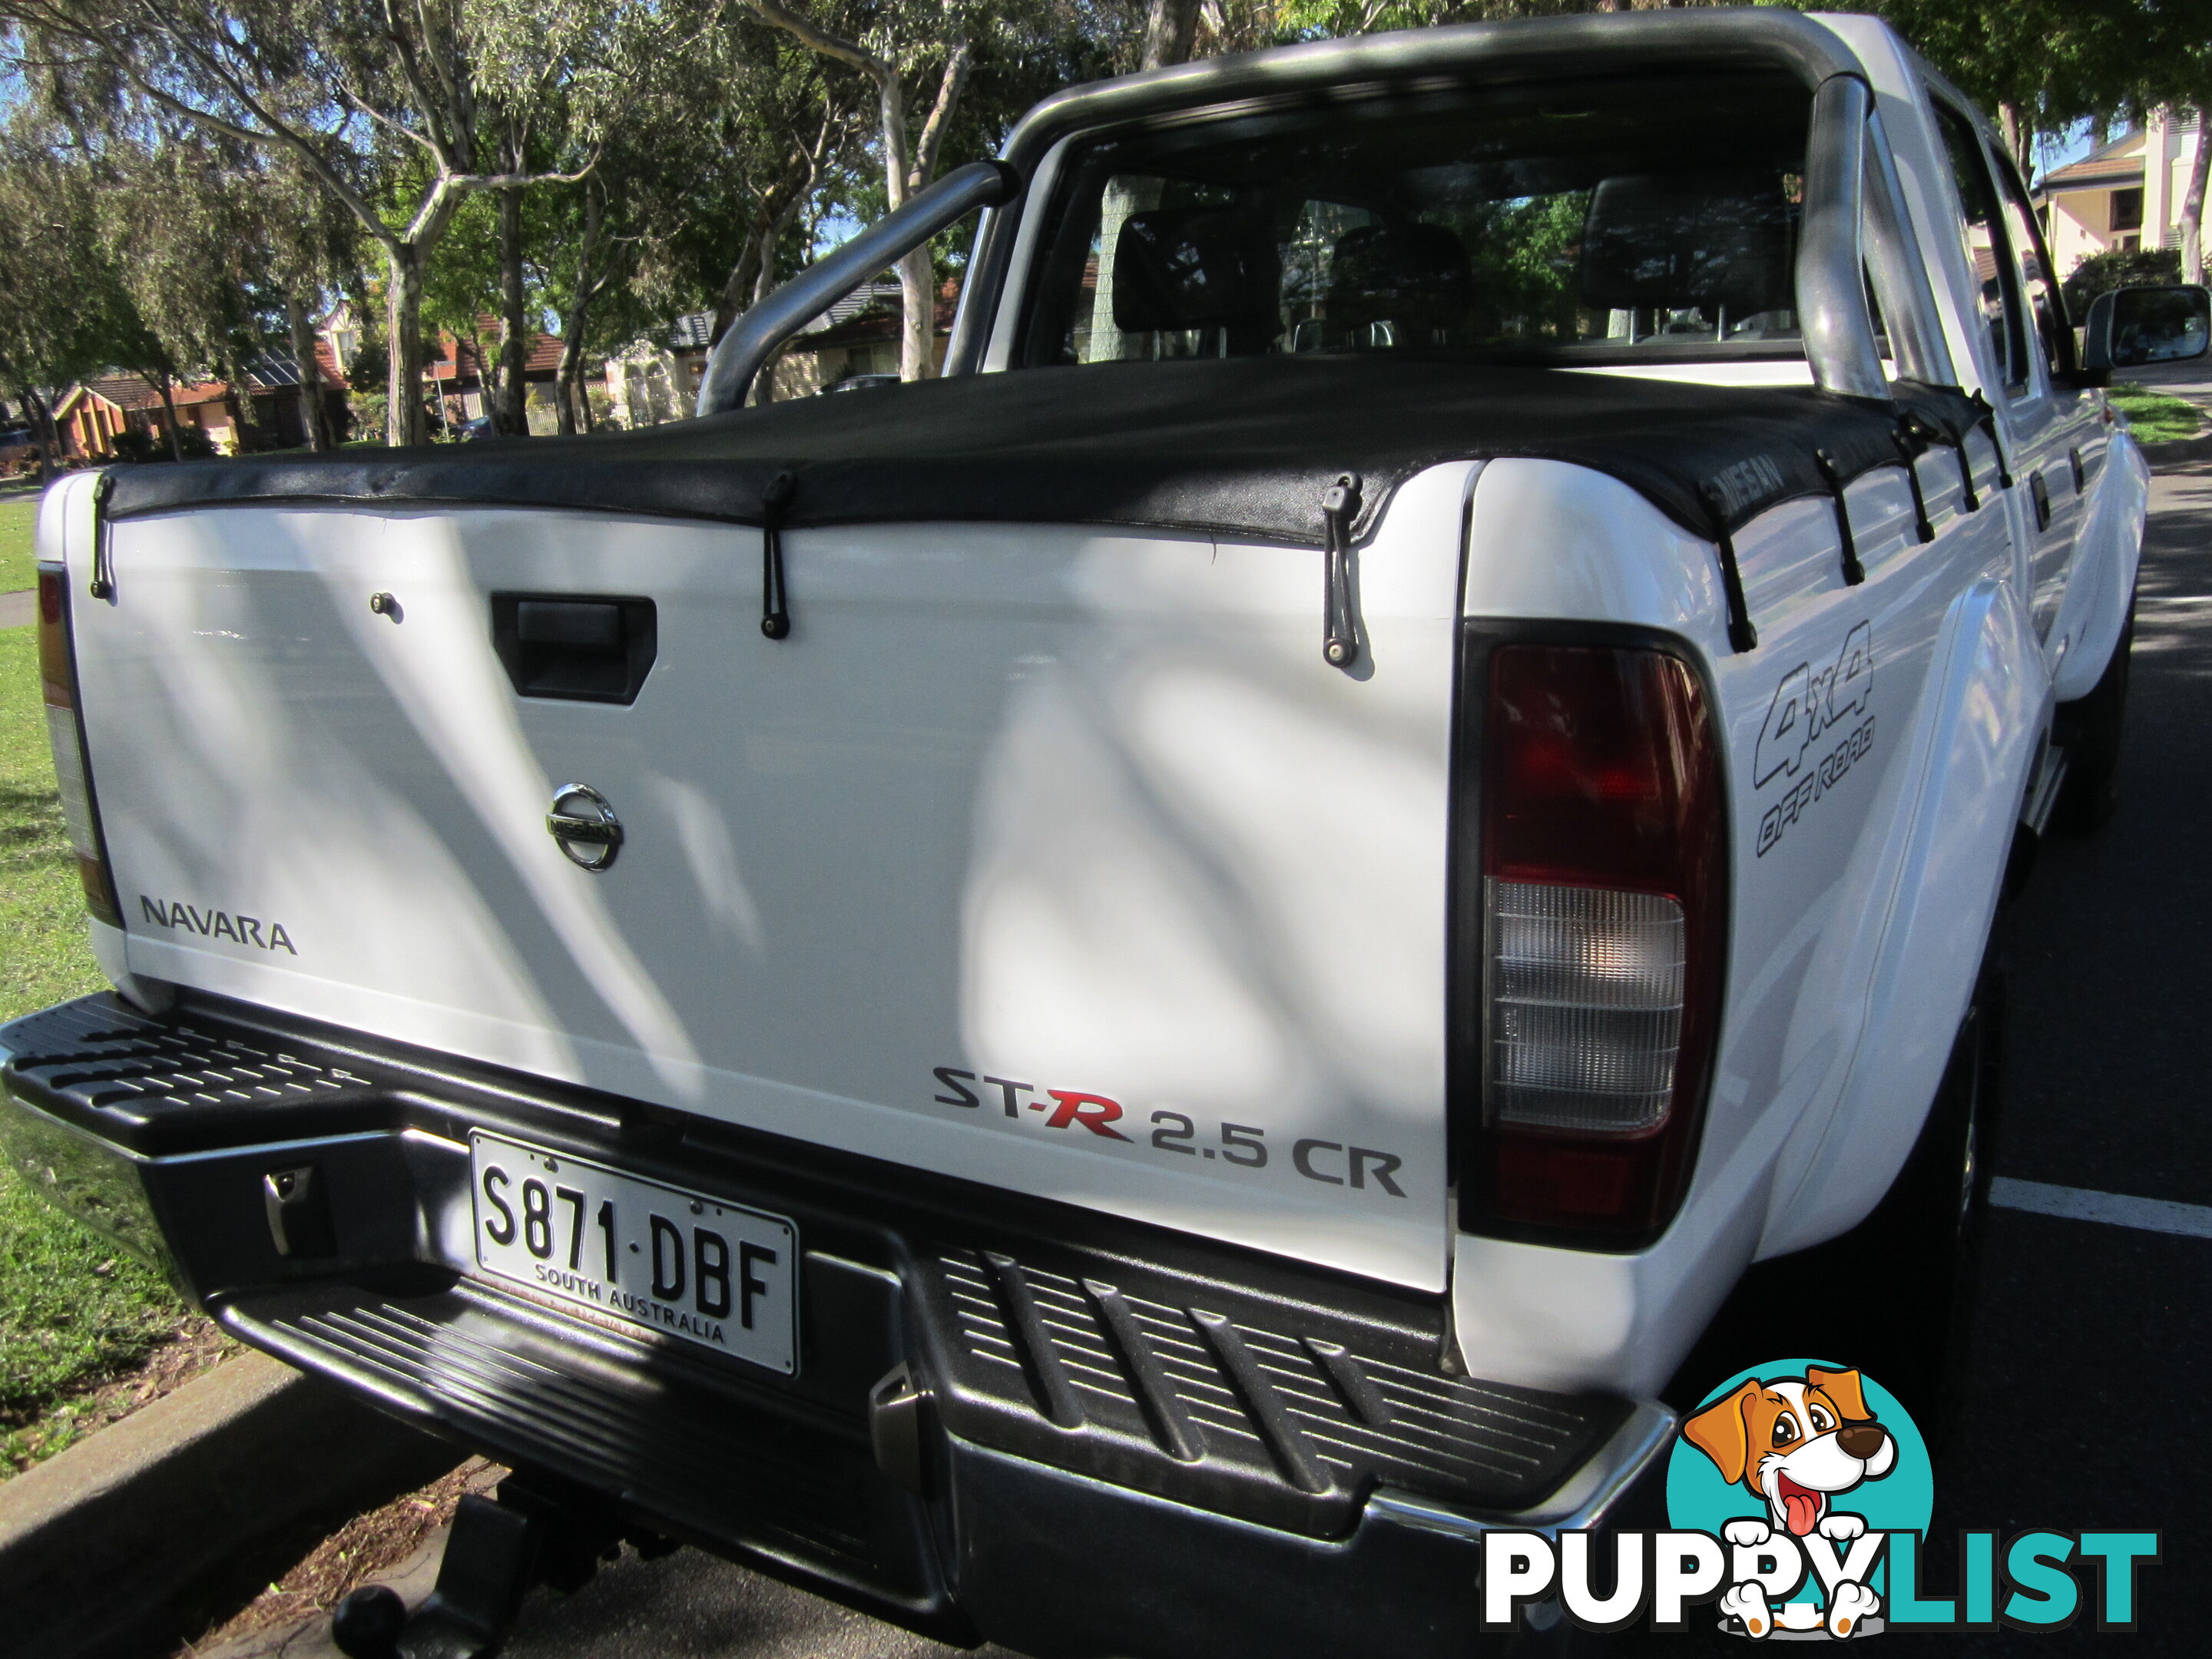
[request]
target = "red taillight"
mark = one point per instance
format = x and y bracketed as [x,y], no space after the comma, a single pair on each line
[56,677]
[1601,920]
[57,684]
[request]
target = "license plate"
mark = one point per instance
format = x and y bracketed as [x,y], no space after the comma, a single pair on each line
[699,1269]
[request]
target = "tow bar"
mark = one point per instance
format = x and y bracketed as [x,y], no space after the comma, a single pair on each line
[534,1531]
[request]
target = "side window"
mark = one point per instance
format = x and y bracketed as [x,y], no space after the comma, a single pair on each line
[2046,303]
[1984,241]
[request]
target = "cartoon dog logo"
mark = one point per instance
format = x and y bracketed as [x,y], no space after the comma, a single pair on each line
[1795,1443]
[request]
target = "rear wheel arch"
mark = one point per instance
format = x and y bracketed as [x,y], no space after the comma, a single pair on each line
[1986,725]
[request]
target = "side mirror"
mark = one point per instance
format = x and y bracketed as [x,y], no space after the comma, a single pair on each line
[2130,326]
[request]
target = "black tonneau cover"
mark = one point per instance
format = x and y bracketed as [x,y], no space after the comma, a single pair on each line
[1237,446]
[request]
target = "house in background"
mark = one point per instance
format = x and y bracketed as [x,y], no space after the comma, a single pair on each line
[2125,196]
[859,334]
[93,413]
[654,381]
[651,382]
[261,411]
[271,395]
[458,370]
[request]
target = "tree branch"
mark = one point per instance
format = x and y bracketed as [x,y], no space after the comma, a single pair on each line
[456,98]
[816,38]
[350,99]
[449,141]
[277,132]
[940,114]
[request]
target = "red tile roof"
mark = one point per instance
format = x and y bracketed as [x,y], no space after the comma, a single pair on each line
[2099,167]
[545,351]
[130,392]
[2082,175]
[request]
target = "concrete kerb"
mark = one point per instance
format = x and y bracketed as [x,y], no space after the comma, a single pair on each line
[2191,382]
[2178,452]
[127,1543]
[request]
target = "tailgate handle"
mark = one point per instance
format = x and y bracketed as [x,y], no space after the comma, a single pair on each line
[582,647]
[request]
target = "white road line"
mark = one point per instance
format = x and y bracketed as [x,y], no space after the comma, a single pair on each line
[2154,1215]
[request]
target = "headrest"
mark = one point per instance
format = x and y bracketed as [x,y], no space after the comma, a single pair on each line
[1179,268]
[1408,260]
[1669,241]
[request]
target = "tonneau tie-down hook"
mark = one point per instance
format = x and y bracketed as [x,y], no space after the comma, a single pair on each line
[1854,572]
[775,616]
[1908,451]
[1988,413]
[102,585]
[1339,645]
[1742,636]
[1930,435]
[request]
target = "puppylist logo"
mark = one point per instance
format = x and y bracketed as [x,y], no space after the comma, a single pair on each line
[1800,1494]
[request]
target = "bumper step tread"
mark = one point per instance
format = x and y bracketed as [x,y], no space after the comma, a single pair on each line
[159,1085]
[595,1407]
[1290,1427]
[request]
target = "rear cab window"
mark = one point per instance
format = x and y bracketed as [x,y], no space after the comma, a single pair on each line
[1588,222]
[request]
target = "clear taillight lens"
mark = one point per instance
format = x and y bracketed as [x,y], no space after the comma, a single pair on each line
[57,683]
[1585,1007]
[1602,899]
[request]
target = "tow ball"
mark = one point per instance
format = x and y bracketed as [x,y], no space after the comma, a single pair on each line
[534,1531]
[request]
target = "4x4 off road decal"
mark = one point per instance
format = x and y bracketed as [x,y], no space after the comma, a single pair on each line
[1241,1146]
[1799,746]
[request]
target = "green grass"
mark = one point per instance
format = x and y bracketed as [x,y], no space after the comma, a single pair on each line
[18,568]
[2153,416]
[45,951]
[74,1311]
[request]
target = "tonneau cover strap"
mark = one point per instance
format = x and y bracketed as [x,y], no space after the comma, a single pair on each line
[1339,504]
[1741,635]
[1908,451]
[1854,572]
[1988,418]
[776,615]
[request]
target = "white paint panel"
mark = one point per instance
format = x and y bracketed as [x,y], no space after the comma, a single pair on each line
[1813,883]
[1077,810]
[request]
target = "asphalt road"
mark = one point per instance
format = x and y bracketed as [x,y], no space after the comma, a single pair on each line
[2093,1338]
[2093,1342]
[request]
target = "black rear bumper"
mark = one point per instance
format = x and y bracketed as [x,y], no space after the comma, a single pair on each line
[1128,1442]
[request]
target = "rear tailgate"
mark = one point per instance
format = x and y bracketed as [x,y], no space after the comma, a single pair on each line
[1051,857]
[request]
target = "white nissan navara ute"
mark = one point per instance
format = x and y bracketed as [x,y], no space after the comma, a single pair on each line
[1110,1002]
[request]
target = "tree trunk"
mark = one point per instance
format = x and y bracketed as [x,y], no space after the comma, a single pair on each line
[1170,30]
[404,418]
[2020,138]
[569,382]
[312,416]
[762,258]
[2192,208]
[917,315]
[511,415]
[743,279]
[160,384]
[42,424]
[903,170]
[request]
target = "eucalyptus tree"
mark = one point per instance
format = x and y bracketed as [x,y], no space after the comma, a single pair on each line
[61,309]
[174,214]
[927,40]
[308,244]
[344,90]
[2044,65]
[559,80]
